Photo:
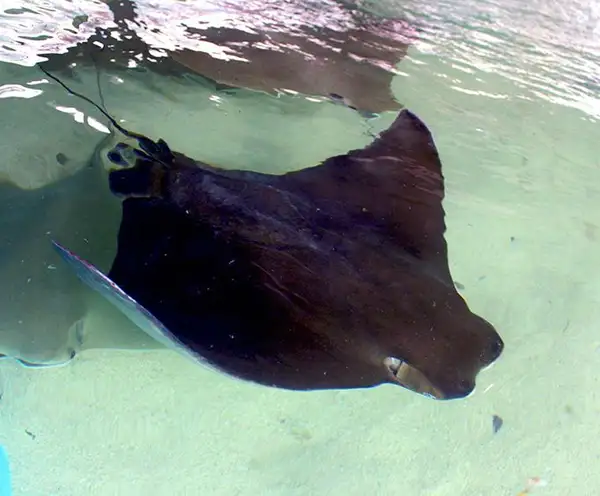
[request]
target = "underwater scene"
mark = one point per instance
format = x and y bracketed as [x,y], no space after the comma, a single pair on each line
[299,248]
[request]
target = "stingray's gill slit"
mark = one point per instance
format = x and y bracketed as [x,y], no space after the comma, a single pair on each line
[158,151]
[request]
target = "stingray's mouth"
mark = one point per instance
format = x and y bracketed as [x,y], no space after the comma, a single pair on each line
[411,378]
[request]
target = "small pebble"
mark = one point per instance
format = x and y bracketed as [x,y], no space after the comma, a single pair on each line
[496,423]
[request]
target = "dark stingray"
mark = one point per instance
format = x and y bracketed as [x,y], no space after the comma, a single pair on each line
[334,276]
[356,63]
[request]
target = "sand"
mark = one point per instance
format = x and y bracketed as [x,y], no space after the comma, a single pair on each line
[522,200]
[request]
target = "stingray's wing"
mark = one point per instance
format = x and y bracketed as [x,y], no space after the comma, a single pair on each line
[396,183]
[139,315]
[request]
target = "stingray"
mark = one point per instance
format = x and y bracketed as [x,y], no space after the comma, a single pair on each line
[42,308]
[335,276]
[266,51]
[356,65]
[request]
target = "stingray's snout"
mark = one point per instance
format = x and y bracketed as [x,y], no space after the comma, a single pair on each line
[462,389]
[493,347]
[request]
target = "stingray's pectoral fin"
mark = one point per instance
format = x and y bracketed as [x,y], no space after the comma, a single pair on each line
[145,180]
[113,293]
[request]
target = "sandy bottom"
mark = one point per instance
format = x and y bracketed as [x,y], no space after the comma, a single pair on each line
[523,198]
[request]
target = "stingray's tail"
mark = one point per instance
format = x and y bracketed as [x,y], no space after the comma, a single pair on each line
[158,151]
[91,102]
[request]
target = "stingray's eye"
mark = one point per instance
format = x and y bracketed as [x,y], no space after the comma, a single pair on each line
[125,155]
[411,378]
[393,364]
[116,158]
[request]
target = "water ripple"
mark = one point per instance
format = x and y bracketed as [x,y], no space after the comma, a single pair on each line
[549,49]
[47,26]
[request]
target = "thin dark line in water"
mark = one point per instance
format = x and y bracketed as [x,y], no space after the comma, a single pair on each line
[149,149]
[100,94]
[127,133]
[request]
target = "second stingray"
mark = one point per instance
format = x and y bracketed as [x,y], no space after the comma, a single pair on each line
[334,276]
